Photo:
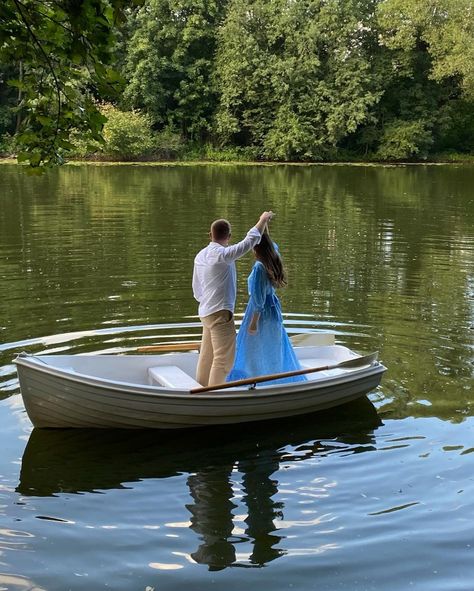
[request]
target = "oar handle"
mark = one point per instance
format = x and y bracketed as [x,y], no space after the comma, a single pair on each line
[259,379]
[192,346]
[350,363]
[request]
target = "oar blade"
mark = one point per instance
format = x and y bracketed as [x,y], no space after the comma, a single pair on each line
[360,361]
[313,339]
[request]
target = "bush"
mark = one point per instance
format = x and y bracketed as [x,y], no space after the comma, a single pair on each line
[168,144]
[6,120]
[211,153]
[84,147]
[127,134]
[456,131]
[404,139]
[7,145]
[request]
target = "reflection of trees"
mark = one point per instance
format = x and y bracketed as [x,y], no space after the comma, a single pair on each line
[373,245]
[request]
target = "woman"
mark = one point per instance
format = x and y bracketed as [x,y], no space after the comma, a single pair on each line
[263,346]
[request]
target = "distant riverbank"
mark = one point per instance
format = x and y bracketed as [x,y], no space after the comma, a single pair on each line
[452,158]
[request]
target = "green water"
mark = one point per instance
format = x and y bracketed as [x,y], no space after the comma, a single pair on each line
[374,495]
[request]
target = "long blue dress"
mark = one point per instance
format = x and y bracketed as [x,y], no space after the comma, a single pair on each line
[269,350]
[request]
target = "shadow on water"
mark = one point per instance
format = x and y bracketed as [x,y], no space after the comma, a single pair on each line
[78,461]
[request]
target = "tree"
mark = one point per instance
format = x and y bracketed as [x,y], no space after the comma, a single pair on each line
[428,75]
[169,63]
[9,97]
[445,27]
[295,77]
[65,50]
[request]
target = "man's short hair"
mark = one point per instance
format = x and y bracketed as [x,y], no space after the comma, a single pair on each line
[220,230]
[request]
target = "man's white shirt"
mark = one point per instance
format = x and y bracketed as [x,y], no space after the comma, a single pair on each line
[215,276]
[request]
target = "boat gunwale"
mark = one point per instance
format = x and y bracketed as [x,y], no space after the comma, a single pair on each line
[32,362]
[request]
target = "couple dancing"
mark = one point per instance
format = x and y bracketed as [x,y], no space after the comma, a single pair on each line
[263,347]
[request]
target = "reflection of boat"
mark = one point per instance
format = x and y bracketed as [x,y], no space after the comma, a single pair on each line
[154,391]
[80,460]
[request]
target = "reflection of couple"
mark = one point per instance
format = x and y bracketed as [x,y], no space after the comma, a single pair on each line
[263,346]
[212,512]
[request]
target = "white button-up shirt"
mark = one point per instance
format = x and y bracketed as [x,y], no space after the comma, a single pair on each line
[215,276]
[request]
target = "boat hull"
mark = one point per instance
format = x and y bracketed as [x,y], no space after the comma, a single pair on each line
[55,399]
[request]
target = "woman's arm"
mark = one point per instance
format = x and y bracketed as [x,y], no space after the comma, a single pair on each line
[253,326]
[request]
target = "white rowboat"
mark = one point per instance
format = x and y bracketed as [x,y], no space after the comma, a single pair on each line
[154,391]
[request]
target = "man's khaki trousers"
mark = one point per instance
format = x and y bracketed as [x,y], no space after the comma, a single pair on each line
[216,357]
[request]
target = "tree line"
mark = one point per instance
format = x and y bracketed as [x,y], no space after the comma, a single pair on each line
[304,80]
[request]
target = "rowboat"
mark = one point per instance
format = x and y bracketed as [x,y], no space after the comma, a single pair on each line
[160,391]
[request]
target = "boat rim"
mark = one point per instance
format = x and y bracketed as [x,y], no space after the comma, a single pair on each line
[35,362]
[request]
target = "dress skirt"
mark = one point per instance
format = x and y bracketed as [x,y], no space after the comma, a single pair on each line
[269,350]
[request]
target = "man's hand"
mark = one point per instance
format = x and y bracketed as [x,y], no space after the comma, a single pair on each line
[267,216]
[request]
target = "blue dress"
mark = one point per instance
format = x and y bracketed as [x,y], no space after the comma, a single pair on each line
[269,350]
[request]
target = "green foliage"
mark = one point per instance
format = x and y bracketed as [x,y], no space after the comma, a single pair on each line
[127,133]
[169,63]
[168,144]
[404,139]
[295,78]
[7,145]
[446,27]
[61,50]
[6,119]
[236,79]
[8,100]
[208,152]
[456,130]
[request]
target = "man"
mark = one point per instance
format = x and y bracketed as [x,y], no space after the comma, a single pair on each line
[214,287]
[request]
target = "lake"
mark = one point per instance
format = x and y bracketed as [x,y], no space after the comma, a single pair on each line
[378,494]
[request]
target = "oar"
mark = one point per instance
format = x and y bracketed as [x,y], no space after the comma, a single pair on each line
[304,339]
[182,346]
[350,363]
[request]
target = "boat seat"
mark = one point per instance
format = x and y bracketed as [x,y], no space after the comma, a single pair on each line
[171,376]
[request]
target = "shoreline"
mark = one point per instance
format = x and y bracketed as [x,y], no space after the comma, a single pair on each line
[468,160]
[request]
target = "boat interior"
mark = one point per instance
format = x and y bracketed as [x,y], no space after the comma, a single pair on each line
[178,370]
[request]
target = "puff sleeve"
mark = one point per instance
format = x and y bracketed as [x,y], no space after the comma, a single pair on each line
[258,283]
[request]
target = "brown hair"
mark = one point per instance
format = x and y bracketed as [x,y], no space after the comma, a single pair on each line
[267,254]
[220,230]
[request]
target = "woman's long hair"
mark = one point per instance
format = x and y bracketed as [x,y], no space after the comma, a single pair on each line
[267,254]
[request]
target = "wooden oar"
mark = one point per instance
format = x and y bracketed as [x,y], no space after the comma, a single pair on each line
[356,362]
[181,346]
[303,339]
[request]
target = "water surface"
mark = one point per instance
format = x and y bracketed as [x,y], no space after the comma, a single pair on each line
[376,494]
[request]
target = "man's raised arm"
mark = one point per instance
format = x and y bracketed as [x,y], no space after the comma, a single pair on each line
[235,251]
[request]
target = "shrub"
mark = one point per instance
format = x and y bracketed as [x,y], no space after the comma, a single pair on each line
[211,153]
[127,134]
[168,144]
[456,131]
[7,145]
[404,139]
[84,147]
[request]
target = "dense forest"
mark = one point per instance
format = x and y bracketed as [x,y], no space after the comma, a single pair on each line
[302,80]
